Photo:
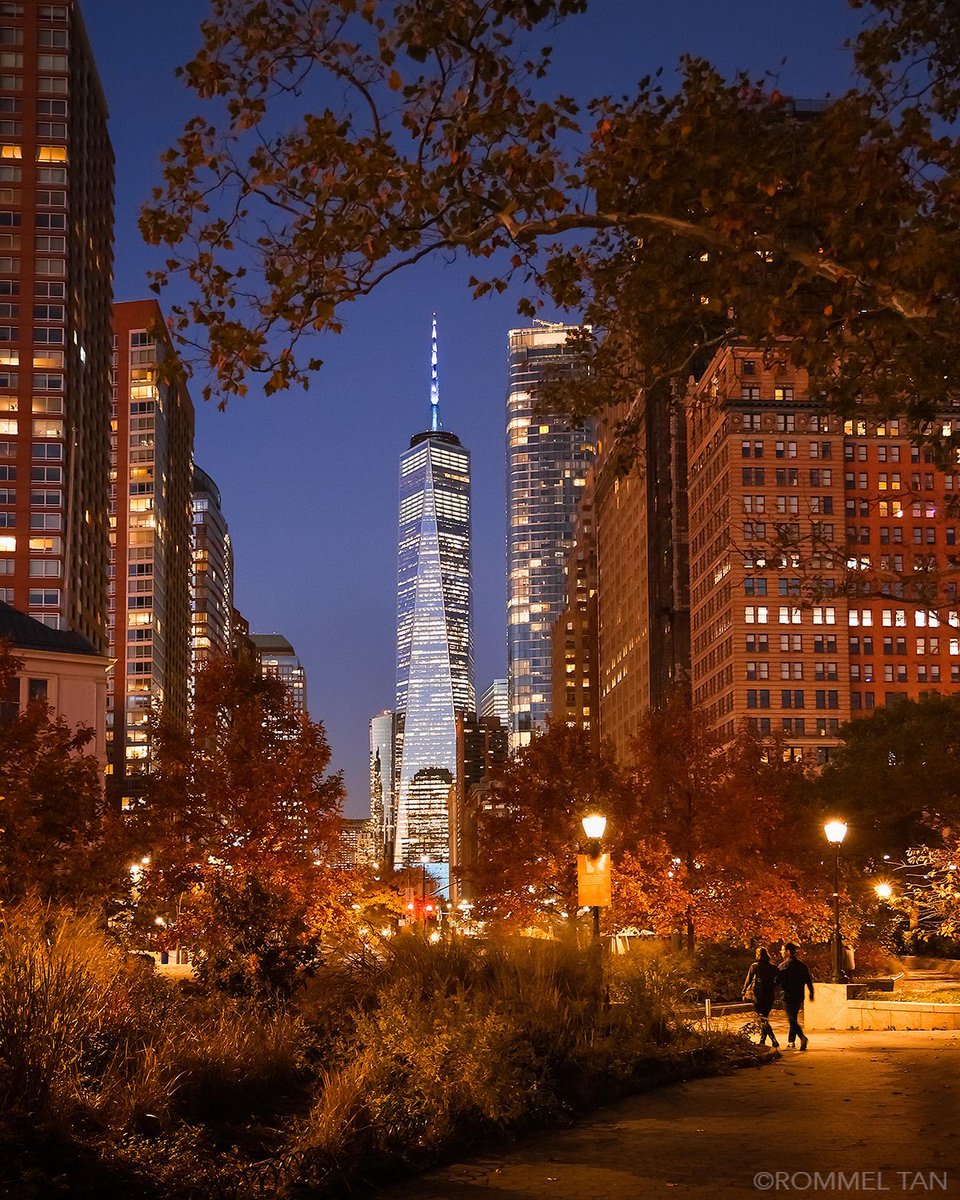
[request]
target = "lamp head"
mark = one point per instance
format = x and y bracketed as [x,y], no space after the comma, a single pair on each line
[594,826]
[836,831]
[884,891]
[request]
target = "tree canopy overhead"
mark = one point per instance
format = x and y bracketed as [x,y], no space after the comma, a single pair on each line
[643,215]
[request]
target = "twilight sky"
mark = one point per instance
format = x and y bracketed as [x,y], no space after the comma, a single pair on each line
[309,481]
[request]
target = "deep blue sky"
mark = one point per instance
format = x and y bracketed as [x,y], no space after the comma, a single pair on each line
[309,481]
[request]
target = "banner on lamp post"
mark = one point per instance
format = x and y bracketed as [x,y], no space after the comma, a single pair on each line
[593,881]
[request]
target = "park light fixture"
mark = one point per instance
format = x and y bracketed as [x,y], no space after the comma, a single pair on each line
[884,891]
[836,831]
[594,826]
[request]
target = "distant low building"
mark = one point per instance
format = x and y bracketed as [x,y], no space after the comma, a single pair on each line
[279,659]
[356,845]
[482,743]
[60,668]
[495,701]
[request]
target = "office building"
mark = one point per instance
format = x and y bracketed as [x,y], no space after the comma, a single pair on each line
[434,635]
[495,702]
[547,464]
[821,555]
[482,744]
[56,262]
[151,537]
[575,646]
[212,574]
[383,782]
[279,659]
[640,516]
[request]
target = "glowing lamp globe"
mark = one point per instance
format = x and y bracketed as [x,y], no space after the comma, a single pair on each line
[836,831]
[594,826]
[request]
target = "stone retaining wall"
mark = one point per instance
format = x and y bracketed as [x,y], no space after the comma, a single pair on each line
[831,1009]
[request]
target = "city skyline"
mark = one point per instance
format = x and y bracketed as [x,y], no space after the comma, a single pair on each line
[334,448]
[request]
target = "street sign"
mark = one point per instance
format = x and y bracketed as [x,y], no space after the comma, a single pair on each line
[593,881]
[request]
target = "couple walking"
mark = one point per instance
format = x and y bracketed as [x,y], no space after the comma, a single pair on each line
[760,986]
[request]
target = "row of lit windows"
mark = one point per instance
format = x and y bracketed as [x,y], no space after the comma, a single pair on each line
[792,698]
[823,670]
[789,615]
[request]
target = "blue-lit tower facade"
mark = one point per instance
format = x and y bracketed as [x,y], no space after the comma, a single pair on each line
[547,465]
[434,637]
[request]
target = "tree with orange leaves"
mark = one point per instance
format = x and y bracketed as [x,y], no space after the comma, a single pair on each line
[58,837]
[239,823]
[732,814]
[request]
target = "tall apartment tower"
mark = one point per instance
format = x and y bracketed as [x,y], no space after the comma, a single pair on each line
[821,557]
[643,617]
[279,659]
[547,464]
[434,634]
[151,536]
[56,262]
[212,573]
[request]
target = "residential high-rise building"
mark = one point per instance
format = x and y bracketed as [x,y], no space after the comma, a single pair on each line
[383,781]
[575,644]
[279,659]
[495,702]
[434,635]
[56,262]
[547,464]
[212,573]
[823,582]
[643,621]
[151,524]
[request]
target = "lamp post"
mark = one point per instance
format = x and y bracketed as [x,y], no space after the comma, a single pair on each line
[835,832]
[594,826]
[424,859]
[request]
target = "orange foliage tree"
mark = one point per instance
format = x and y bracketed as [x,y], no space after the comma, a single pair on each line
[708,838]
[57,836]
[736,821]
[530,828]
[239,824]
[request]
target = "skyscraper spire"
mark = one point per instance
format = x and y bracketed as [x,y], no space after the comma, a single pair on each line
[434,381]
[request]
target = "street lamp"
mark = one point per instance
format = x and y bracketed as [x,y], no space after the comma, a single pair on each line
[424,859]
[884,891]
[594,826]
[835,832]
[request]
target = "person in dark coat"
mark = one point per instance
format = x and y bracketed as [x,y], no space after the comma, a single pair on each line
[795,980]
[760,986]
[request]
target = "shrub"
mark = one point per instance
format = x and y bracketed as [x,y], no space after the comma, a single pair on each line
[57,972]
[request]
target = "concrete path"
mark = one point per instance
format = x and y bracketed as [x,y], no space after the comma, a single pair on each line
[881,1111]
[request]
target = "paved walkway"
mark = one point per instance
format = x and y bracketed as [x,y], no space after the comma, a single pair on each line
[881,1108]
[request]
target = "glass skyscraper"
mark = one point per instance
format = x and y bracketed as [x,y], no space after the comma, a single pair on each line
[434,636]
[547,464]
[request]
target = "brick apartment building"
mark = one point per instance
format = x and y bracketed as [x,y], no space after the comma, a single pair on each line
[822,557]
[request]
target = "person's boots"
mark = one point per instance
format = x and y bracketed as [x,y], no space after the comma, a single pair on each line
[803,1042]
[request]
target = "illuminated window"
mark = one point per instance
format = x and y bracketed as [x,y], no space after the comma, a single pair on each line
[48,154]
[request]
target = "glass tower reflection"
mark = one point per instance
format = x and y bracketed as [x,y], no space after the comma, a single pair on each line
[547,464]
[434,637]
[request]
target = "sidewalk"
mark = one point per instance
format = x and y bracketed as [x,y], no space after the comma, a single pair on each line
[880,1110]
